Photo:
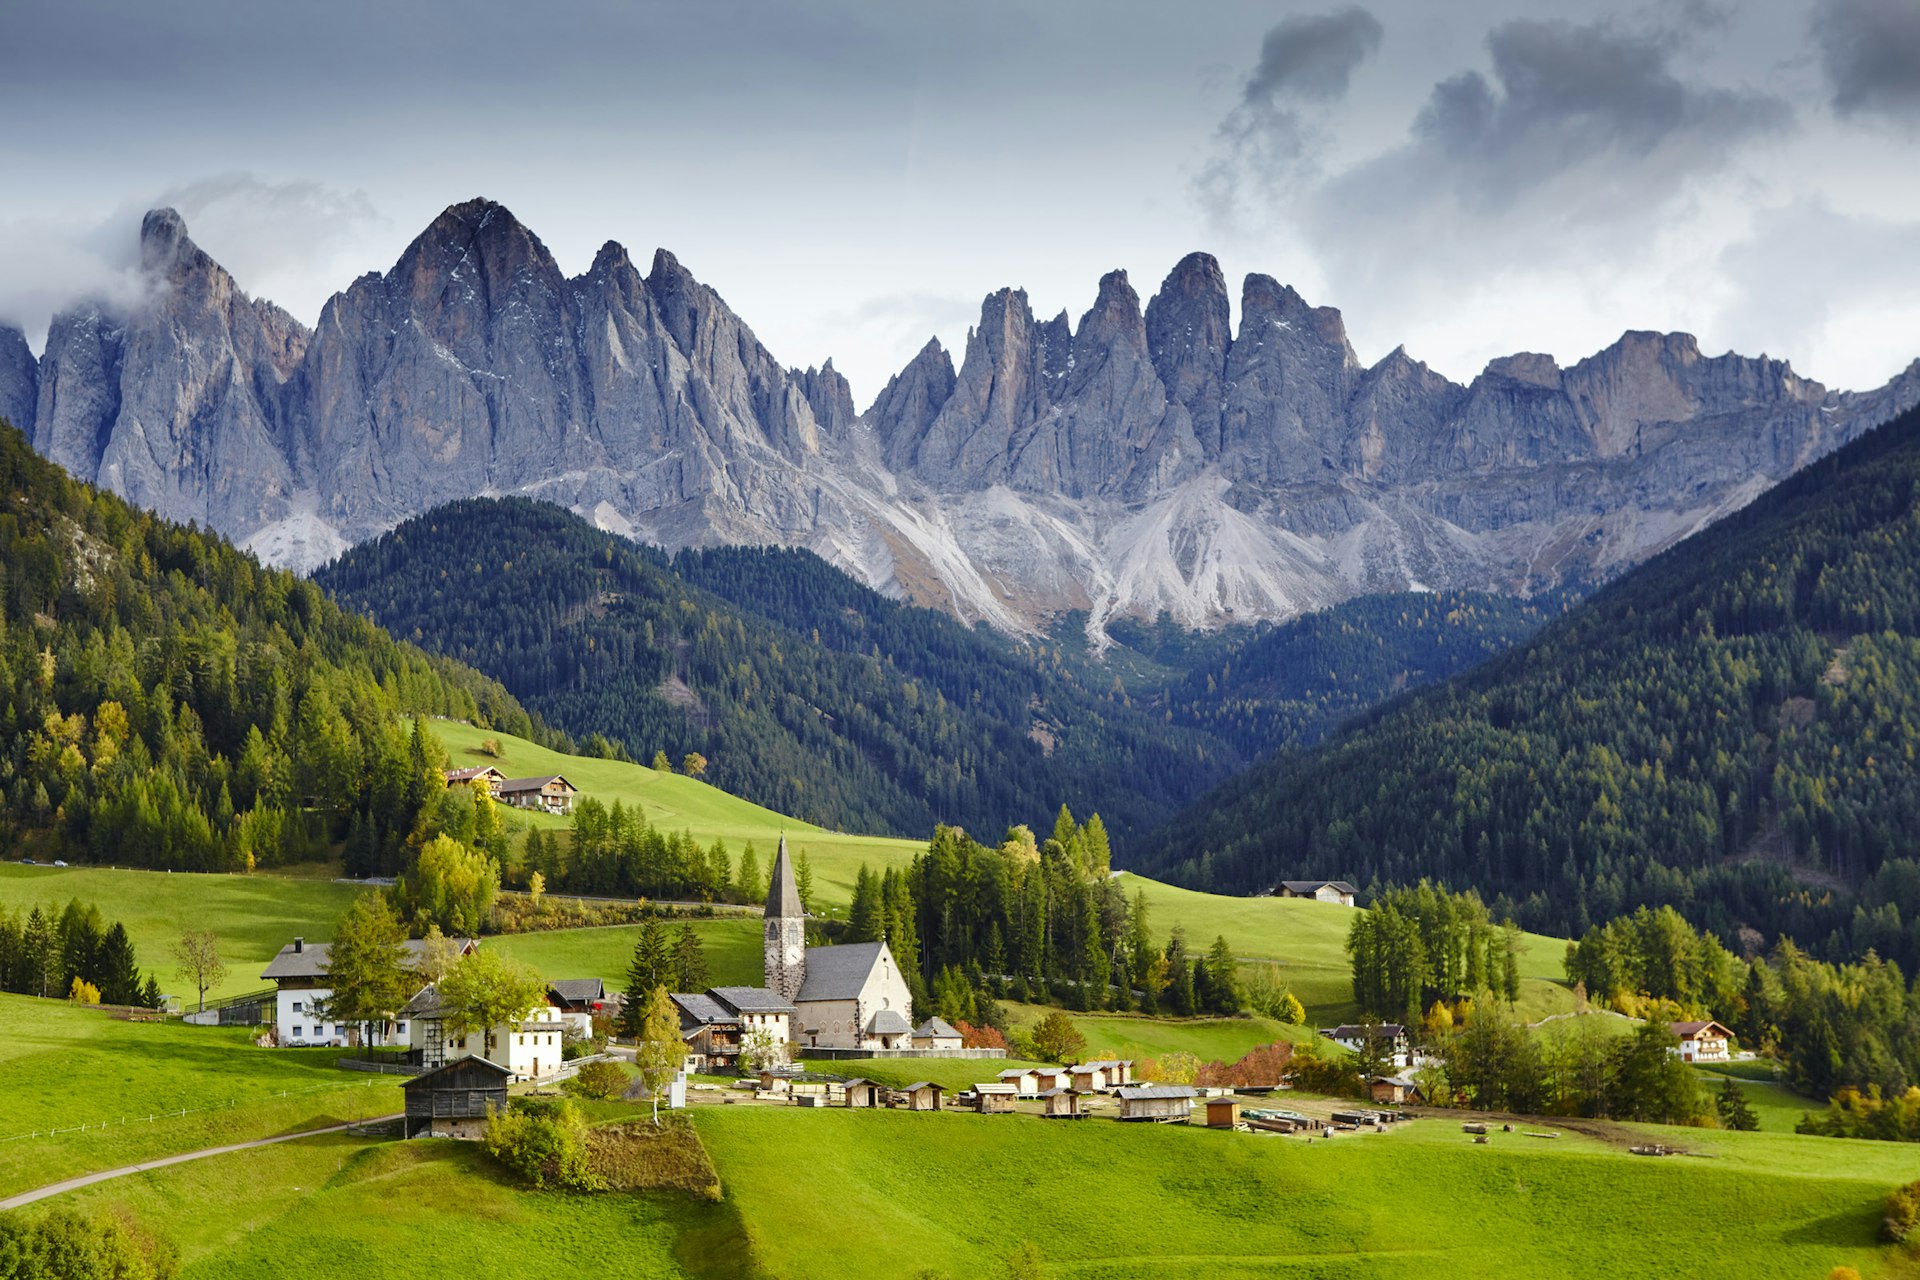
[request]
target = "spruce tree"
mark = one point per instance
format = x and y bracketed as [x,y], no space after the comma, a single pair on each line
[689,960]
[651,969]
[119,974]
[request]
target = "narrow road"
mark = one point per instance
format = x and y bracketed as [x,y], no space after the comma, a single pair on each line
[74,1184]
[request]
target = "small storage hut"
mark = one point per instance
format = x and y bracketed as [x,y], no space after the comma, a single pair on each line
[924,1096]
[864,1093]
[453,1101]
[1223,1113]
[1159,1102]
[1090,1077]
[1025,1083]
[1395,1090]
[1063,1104]
[994,1099]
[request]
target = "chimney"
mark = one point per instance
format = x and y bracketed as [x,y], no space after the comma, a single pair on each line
[299,945]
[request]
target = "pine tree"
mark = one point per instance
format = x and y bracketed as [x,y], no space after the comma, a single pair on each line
[864,922]
[119,973]
[751,885]
[40,956]
[689,960]
[1222,984]
[1735,1111]
[803,880]
[651,969]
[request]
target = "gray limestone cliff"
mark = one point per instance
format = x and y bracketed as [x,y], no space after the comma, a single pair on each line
[1143,459]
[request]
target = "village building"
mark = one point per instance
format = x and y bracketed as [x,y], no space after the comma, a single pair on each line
[1064,1104]
[478,773]
[454,1099]
[580,995]
[1157,1102]
[922,1095]
[1335,891]
[1703,1041]
[530,1047]
[936,1034]
[845,997]
[299,974]
[1389,1040]
[1394,1090]
[551,794]
[711,1033]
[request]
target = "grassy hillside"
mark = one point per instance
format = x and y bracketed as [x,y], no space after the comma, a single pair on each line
[954,1194]
[254,916]
[62,1067]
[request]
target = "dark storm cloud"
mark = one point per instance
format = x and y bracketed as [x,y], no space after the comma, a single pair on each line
[1306,63]
[1870,54]
[1564,95]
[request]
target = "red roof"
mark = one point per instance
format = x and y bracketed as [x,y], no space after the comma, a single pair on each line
[1688,1030]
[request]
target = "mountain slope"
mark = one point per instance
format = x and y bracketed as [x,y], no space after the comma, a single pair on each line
[815,695]
[1139,461]
[1729,728]
[169,703]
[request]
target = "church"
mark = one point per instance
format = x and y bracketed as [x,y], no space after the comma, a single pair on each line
[846,997]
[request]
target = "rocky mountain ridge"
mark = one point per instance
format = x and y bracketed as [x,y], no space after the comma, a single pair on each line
[1142,460]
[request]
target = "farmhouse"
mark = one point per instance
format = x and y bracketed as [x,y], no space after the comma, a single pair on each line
[478,773]
[711,1032]
[529,1047]
[1388,1039]
[1702,1041]
[1157,1102]
[552,793]
[936,1033]
[300,974]
[580,995]
[452,1100]
[1338,891]
[847,997]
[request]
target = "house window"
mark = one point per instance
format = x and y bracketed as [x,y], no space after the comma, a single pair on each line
[297,1007]
[298,1032]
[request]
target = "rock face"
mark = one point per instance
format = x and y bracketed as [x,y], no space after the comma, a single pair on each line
[1140,460]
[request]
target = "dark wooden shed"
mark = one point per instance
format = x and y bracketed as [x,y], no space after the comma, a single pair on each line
[1223,1113]
[453,1101]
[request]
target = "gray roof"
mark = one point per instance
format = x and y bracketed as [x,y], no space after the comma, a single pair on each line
[311,960]
[889,1022]
[1015,1073]
[783,896]
[579,989]
[534,784]
[752,1000]
[936,1027]
[1379,1031]
[838,973]
[1308,886]
[700,1011]
[996,1088]
[468,1061]
[1057,1092]
[1140,1092]
[918,1085]
[425,1004]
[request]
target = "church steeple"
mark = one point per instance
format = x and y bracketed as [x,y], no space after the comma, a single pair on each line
[786,929]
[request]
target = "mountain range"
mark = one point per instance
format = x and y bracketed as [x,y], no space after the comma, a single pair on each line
[1145,460]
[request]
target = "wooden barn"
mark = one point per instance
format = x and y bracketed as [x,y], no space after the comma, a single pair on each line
[1158,1102]
[1223,1113]
[994,1099]
[923,1096]
[453,1101]
[1064,1104]
[1394,1090]
[864,1093]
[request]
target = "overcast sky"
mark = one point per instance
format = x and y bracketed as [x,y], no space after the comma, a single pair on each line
[1469,179]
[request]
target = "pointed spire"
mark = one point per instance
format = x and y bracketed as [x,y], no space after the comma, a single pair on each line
[783,898]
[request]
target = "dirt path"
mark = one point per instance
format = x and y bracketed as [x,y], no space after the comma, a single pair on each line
[87,1180]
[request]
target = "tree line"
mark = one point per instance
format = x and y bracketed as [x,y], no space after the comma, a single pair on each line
[74,953]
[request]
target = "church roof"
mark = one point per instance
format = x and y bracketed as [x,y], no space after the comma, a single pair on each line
[838,973]
[783,896]
[939,1027]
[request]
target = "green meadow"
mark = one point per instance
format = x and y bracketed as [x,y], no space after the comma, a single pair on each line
[1116,1035]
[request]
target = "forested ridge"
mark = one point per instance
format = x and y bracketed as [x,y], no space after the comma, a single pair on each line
[1730,729]
[167,702]
[812,694]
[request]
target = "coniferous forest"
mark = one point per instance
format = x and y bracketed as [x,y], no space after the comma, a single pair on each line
[810,693]
[1729,729]
[167,702]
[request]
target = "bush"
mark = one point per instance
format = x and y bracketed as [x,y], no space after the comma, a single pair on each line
[65,1244]
[544,1140]
[602,1080]
[1903,1212]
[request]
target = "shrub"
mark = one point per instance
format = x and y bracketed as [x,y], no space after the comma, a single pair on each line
[1903,1211]
[490,747]
[603,1080]
[66,1244]
[643,1157]
[544,1140]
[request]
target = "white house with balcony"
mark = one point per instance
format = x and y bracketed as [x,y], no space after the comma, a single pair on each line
[1703,1041]
[299,974]
[531,1046]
